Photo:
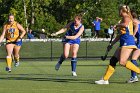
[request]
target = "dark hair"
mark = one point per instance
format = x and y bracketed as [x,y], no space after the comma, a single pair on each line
[134,14]
[79,16]
[10,15]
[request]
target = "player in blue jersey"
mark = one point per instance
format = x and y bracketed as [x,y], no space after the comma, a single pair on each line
[71,41]
[127,45]
[136,53]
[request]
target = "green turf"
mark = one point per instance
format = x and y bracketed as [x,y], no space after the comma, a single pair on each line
[40,77]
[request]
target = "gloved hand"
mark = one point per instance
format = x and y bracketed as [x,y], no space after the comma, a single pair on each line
[53,34]
[109,47]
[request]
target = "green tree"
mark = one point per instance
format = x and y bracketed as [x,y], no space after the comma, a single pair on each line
[54,14]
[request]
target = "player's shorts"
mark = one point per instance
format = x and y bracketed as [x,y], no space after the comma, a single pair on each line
[127,41]
[18,43]
[76,41]
[138,45]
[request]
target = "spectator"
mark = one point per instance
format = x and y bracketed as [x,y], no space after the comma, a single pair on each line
[30,34]
[42,34]
[110,31]
[96,23]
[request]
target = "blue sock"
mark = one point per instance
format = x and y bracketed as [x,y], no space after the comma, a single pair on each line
[61,59]
[73,64]
[133,74]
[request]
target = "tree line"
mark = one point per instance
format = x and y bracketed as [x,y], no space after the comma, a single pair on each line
[52,15]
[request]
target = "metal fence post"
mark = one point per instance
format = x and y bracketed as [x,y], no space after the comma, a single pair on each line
[51,50]
[86,49]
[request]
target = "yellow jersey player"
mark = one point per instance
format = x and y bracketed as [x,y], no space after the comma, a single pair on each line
[13,32]
[127,45]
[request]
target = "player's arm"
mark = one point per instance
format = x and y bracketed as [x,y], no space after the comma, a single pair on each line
[64,29]
[93,23]
[77,35]
[100,18]
[135,22]
[23,32]
[113,42]
[3,34]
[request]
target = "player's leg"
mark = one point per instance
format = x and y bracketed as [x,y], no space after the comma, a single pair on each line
[66,49]
[16,55]
[95,34]
[74,49]
[111,68]
[135,56]
[9,50]
[16,52]
[125,53]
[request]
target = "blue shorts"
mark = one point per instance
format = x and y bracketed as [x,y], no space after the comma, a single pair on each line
[18,43]
[76,41]
[127,41]
[138,45]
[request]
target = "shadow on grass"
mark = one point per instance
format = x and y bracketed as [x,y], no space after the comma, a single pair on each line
[59,79]
[93,65]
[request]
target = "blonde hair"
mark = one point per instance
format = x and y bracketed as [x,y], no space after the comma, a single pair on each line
[126,9]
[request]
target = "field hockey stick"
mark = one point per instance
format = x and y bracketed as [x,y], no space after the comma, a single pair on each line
[2,44]
[107,51]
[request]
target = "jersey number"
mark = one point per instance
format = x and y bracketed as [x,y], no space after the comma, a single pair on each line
[11,30]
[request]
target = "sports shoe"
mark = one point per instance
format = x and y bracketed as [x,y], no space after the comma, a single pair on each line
[57,66]
[8,69]
[102,82]
[16,64]
[132,80]
[74,73]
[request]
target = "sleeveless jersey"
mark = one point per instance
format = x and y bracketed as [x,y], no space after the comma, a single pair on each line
[71,32]
[127,38]
[12,32]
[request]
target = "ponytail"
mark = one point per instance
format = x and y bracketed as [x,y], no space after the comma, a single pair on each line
[126,9]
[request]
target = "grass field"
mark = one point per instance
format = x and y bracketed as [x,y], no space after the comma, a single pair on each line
[40,77]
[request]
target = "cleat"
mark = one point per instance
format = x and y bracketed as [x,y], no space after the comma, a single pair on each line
[8,69]
[16,64]
[57,66]
[74,73]
[133,80]
[101,82]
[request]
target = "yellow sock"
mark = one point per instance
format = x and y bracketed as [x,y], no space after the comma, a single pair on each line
[132,67]
[16,59]
[110,70]
[9,62]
